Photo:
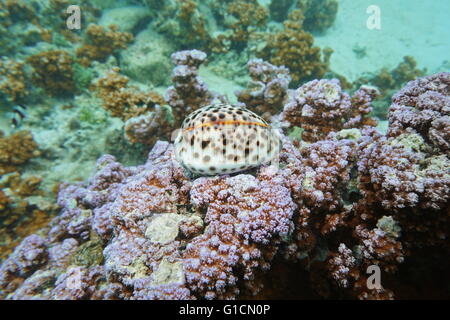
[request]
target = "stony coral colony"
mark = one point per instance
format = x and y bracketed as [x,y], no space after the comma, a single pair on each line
[343,197]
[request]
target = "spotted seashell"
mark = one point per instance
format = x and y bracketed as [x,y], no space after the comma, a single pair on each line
[222,139]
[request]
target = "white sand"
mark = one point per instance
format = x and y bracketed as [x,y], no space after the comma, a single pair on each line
[408,27]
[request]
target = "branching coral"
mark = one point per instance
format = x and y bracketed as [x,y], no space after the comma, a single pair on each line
[405,71]
[320,107]
[293,48]
[404,172]
[122,100]
[100,43]
[247,16]
[188,92]
[24,209]
[149,127]
[235,229]
[15,150]
[389,81]
[53,71]
[192,24]
[184,21]
[267,91]
[424,106]
[14,13]
[319,14]
[346,200]
[12,80]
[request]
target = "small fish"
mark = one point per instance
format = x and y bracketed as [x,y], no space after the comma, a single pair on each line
[223,139]
[17,115]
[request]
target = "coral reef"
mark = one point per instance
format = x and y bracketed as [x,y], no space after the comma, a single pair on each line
[319,14]
[404,72]
[151,126]
[100,43]
[15,150]
[13,87]
[183,21]
[340,199]
[294,48]
[321,106]
[267,91]
[122,100]
[24,210]
[389,81]
[241,235]
[188,92]
[247,15]
[192,24]
[53,71]
[147,59]
[334,207]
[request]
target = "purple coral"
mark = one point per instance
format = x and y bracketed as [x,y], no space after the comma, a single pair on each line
[268,89]
[26,258]
[318,107]
[235,228]
[351,199]
[188,92]
[321,106]
[423,105]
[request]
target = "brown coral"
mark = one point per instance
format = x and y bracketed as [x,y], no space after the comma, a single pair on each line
[192,23]
[122,100]
[15,150]
[319,14]
[19,217]
[53,71]
[294,48]
[100,43]
[12,80]
[249,15]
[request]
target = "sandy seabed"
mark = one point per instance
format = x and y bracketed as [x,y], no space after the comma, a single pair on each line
[408,27]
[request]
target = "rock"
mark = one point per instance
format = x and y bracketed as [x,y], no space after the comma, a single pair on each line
[127,18]
[164,228]
[148,59]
